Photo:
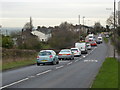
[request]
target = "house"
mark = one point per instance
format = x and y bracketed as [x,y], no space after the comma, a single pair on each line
[42,34]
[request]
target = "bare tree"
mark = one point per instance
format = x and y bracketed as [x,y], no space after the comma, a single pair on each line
[110,20]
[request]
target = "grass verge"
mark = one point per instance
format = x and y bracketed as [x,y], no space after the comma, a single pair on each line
[105,39]
[17,64]
[108,75]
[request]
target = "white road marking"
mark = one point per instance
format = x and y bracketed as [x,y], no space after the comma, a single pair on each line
[14,83]
[85,60]
[31,76]
[43,72]
[64,61]
[83,56]
[69,63]
[90,60]
[76,61]
[59,67]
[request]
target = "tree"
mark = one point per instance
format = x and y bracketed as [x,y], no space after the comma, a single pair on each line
[66,26]
[62,37]
[7,42]
[97,27]
[110,20]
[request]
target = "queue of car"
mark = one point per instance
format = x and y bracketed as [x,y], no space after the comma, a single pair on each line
[50,56]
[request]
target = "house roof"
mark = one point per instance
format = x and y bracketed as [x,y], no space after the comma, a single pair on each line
[44,30]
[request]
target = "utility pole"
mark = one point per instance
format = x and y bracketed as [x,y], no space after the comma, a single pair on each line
[79,26]
[83,23]
[114,24]
[31,26]
[6,32]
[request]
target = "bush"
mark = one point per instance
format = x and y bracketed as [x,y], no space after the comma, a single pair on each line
[7,42]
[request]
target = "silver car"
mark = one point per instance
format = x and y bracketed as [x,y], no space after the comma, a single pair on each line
[66,54]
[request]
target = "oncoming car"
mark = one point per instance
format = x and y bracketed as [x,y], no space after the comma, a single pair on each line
[66,54]
[47,56]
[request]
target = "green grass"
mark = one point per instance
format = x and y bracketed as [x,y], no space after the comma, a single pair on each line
[108,75]
[106,39]
[17,64]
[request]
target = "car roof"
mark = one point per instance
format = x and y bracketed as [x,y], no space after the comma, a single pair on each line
[99,37]
[46,50]
[74,48]
[65,50]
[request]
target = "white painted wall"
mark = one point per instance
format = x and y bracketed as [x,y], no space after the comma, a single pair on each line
[41,36]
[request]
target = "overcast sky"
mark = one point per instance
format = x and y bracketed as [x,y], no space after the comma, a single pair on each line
[15,13]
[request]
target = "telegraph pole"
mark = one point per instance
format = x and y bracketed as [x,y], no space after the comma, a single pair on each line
[83,23]
[114,24]
[79,26]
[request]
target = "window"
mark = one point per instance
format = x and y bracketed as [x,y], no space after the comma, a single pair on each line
[42,40]
[44,53]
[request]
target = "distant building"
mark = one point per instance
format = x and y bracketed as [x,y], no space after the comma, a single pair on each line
[43,34]
[119,13]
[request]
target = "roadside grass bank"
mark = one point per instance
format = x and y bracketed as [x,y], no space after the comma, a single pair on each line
[15,58]
[108,75]
[17,64]
[106,39]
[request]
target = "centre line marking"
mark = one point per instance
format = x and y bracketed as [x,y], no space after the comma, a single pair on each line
[83,56]
[76,61]
[43,72]
[69,63]
[59,67]
[14,83]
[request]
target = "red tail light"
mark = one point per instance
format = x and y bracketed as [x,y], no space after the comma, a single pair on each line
[51,56]
[59,54]
[68,54]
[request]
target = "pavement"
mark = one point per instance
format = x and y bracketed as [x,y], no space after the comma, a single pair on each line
[78,73]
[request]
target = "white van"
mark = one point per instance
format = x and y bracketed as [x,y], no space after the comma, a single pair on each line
[82,47]
[91,37]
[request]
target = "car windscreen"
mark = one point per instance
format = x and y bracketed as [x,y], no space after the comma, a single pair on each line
[88,45]
[65,51]
[99,38]
[90,36]
[44,53]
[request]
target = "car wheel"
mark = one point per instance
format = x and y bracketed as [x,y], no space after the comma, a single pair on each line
[38,64]
[57,62]
[73,58]
[54,62]
[43,63]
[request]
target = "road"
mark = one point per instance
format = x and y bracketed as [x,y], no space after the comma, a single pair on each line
[78,73]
